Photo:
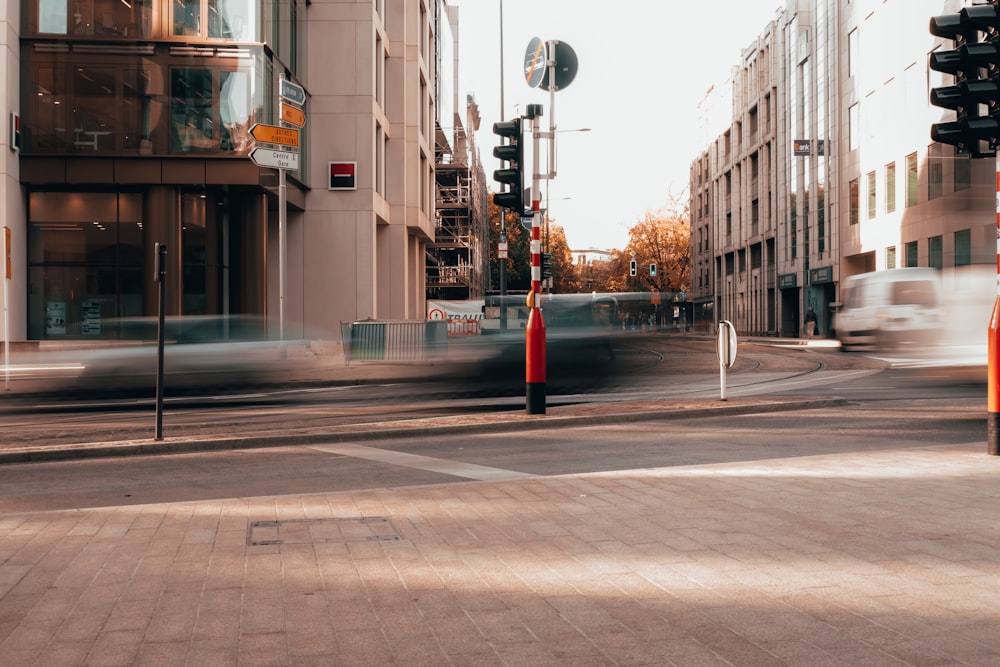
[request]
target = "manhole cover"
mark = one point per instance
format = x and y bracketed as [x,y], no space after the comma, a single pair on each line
[319,531]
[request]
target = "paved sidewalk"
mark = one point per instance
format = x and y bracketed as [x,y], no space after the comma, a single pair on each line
[867,558]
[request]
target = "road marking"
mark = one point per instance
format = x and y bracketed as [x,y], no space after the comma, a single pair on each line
[429,463]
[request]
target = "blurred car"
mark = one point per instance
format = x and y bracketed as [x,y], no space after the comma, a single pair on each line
[887,309]
[201,353]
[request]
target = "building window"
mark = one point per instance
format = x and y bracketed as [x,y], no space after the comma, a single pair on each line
[854,127]
[911,253]
[871,195]
[85,260]
[151,106]
[911,180]
[855,203]
[890,187]
[104,19]
[963,247]
[934,252]
[963,170]
[890,257]
[935,171]
[852,52]
[187,17]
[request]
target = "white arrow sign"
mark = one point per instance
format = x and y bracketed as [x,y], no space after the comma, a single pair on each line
[268,157]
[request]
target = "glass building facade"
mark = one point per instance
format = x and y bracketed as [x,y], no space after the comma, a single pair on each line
[135,130]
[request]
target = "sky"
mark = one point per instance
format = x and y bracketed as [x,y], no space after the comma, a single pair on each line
[643,67]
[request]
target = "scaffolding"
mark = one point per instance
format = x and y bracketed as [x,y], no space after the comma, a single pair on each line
[457,261]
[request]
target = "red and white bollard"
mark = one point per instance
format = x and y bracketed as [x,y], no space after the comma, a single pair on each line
[993,375]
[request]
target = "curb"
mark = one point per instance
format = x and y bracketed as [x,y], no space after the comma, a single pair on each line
[416,428]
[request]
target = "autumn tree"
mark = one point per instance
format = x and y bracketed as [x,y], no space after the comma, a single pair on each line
[565,277]
[662,238]
[518,262]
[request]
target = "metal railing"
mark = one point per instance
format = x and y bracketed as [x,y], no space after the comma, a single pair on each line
[371,340]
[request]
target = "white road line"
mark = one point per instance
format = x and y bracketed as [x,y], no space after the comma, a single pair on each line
[429,463]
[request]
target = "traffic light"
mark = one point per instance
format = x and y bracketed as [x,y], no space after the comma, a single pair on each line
[546,265]
[975,64]
[632,269]
[511,152]
[652,270]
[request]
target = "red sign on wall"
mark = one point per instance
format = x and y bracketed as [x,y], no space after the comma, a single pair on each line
[343,176]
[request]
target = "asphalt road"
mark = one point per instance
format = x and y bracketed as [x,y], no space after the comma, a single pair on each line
[647,367]
[869,425]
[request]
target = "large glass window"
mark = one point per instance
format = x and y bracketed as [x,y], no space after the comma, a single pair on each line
[84,262]
[911,253]
[150,104]
[102,19]
[211,110]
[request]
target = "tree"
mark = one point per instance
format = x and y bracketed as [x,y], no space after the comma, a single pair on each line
[518,260]
[662,238]
[565,276]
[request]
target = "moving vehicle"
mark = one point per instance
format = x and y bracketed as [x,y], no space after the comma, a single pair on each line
[891,308]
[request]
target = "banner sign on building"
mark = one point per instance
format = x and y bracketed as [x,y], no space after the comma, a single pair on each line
[787,280]
[801,147]
[821,275]
[343,176]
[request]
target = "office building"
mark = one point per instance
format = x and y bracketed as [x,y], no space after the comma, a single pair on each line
[826,168]
[135,129]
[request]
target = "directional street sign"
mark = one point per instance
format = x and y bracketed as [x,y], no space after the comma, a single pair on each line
[293,115]
[272,134]
[292,92]
[268,157]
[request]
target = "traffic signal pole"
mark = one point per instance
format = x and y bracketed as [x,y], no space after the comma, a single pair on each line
[993,373]
[534,351]
[975,98]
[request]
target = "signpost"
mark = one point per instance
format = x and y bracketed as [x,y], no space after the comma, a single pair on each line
[272,134]
[279,155]
[292,115]
[269,157]
[291,91]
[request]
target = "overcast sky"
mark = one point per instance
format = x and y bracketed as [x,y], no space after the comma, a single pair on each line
[643,67]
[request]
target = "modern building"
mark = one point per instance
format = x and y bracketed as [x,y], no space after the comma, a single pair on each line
[826,168]
[135,129]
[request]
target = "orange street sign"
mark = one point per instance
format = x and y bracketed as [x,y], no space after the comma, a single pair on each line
[293,115]
[272,134]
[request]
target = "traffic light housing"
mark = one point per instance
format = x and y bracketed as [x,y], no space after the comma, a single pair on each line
[975,64]
[632,269]
[512,176]
[652,270]
[546,265]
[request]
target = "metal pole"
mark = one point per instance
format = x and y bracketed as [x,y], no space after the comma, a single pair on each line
[6,308]
[535,330]
[161,279]
[993,371]
[503,213]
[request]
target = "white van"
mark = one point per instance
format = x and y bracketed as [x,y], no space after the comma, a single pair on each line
[885,309]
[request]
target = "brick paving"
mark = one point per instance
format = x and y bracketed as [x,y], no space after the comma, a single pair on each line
[864,558]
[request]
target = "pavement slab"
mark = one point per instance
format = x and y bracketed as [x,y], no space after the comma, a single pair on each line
[837,559]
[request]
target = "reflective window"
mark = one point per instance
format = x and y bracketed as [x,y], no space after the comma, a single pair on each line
[84,262]
[148,104]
